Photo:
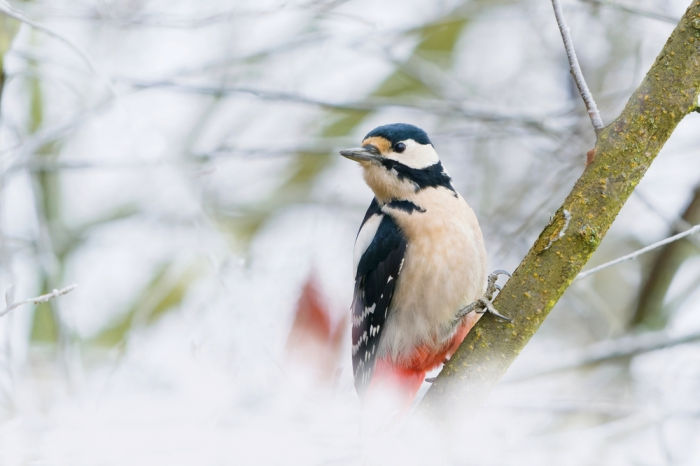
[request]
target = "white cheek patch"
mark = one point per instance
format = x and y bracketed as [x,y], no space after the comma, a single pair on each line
[416,155]
[364,238]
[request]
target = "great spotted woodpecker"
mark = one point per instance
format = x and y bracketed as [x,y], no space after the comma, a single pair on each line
[419,262]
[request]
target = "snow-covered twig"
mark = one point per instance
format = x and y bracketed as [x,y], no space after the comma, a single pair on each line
[576,69]
[633,255]
[9,298]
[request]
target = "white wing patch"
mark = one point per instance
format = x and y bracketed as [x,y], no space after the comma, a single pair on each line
[364,239]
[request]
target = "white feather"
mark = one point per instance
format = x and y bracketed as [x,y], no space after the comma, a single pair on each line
[364,238]
[444,269]
[416,155]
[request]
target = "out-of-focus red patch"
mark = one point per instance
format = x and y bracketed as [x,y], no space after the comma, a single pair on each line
[403,382]
[315,340]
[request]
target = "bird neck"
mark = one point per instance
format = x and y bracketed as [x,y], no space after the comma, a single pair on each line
[387,186]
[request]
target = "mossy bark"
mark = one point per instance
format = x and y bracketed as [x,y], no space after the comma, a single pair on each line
[624,151]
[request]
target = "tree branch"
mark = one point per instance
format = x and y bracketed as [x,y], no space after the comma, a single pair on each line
[7,9]
[650,308]
[39,299]
[576,69]
[437,107]
[634,11]
[623,347]
[624,151]
[639,252]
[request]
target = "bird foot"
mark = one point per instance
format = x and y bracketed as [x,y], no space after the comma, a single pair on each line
[485,303]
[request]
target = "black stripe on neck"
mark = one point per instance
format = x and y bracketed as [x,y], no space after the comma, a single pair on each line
[432,176]
[406,206]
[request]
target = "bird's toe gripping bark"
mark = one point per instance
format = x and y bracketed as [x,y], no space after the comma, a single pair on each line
[488,307]
[485,304]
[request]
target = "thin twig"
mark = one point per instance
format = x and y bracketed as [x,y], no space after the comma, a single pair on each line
[635,11]
[633,255]
[576,69]
[160,20]
[39,299]
[650,310]
[27,148]
[678,224]
[9,11]
[438,107]
[609,350]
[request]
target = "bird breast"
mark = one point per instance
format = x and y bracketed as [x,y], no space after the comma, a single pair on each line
[444,270]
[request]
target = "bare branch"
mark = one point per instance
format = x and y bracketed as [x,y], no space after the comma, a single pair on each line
[635,11]
[173,21]
[635,254]
[677,224]
[9,11]
[9,296]
[26,148]
[437,107]
[613,349]
[650,310]
[576,69]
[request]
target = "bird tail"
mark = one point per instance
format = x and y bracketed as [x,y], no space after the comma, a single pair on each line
[405,381]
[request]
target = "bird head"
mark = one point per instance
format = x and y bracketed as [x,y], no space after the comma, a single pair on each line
[398,160]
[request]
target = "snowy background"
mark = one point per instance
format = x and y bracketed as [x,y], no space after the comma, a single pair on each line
[178,160]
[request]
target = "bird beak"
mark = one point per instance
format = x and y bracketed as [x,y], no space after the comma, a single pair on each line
[368,153]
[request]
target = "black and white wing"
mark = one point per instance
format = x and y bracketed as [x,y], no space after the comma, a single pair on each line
[379,254]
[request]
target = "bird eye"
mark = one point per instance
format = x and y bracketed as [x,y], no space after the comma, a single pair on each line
[400,147]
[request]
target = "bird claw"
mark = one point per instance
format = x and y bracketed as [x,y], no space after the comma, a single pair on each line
[485,304]
[492,287]
[488,307]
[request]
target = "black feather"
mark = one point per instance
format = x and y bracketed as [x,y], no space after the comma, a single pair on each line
[406,206]
[432,176]
[375,282]
[373,209]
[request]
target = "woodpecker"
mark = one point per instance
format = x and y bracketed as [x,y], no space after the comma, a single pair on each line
[419,260]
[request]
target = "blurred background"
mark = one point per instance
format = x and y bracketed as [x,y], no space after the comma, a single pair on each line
[178,160]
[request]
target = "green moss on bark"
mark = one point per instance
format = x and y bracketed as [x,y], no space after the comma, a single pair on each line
[624,151]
